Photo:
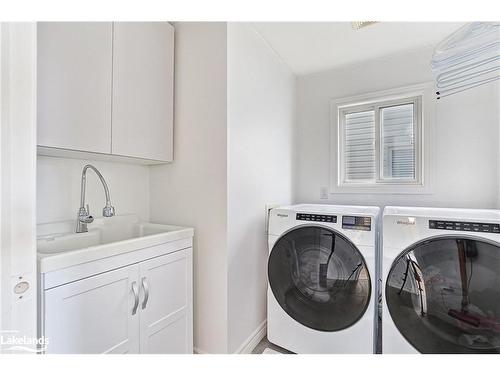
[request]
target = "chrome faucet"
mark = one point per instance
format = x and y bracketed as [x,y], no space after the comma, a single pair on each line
[84,216]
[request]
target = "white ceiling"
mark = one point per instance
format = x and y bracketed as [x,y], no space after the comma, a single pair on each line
[308,47]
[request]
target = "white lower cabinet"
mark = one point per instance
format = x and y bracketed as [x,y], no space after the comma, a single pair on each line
[145,307]
[164,314]
[94,315]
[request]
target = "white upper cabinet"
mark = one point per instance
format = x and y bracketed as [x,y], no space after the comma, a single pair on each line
[105,90]
[143,68]
[74,85]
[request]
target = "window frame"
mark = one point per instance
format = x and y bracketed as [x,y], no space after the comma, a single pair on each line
[376,107]
[423,112]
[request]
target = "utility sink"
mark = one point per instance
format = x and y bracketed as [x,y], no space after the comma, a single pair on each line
[57,243]
[103,231]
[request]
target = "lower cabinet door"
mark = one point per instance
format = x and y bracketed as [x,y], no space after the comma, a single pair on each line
[166,309]
[94,315]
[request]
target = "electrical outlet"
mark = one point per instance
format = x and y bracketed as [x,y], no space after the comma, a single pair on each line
[323,192]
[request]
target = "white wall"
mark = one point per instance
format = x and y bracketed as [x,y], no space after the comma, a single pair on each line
[58,188]
[261,100]
[192,190]
[232,154]
[464,160]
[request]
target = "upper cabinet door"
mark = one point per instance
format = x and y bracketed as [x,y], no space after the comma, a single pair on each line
[143,76]
[74,85]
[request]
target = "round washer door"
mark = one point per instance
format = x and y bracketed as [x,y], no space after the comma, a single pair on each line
[443,295]
[319,278]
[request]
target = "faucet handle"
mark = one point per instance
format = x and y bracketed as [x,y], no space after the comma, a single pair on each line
[84,215]
[90,218]
[108,211]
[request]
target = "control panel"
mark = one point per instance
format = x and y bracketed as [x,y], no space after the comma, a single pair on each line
[317,217]
[357,222]
[464,226]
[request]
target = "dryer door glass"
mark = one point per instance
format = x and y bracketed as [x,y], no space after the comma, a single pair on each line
[443,295]
[319,278]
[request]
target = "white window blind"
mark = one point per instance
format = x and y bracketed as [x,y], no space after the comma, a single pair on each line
[380,142]
[397,141]
[360,146]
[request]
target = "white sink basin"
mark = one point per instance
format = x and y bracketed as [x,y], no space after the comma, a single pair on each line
[66,242]
[58,244]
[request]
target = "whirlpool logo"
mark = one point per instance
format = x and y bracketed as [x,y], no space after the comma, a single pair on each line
[282,215]
[408,221]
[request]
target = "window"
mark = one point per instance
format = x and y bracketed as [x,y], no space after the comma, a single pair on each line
[379,142]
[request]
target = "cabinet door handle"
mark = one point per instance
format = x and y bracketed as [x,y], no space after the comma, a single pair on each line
[135,290]
[145,286]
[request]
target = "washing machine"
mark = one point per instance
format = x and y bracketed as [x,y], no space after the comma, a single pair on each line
[322,292]
[441,280]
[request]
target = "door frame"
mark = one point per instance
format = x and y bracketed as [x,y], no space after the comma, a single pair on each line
[18,311]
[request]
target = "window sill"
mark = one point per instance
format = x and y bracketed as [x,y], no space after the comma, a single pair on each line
[388,189]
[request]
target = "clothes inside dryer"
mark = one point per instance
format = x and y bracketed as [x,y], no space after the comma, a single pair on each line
[443,295]
[319,278]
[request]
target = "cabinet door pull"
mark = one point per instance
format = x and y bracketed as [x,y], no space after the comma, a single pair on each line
[135,290]
[145,286]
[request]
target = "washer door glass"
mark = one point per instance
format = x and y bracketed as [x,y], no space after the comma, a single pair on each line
[443,295]
[319,278]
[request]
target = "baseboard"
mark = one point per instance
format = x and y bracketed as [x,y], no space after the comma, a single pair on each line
[253,340]
[250,343]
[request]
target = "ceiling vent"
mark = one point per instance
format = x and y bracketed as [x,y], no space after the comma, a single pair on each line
[360,24]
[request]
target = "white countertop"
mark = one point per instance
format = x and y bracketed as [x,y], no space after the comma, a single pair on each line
[58,246]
